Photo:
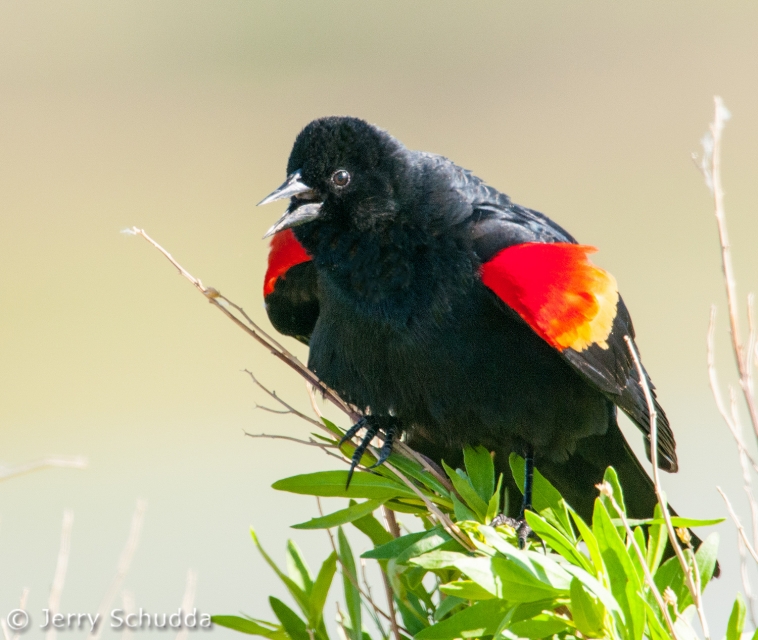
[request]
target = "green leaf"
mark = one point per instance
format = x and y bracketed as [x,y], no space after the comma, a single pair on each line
[639,538]
[370,526]
[332,484]
[592,546]
[433,539]
[416,471]
[447,605]
[321,586]
[395,547]
[625,584]
[350,582]
[414,621]
[333,428]
[292,623]
[295,591]
[461,511]
[480,470]
[297,568]
[557,541]
[595,588]
[480,619]
[542,567]
[611,477]
[343,516]
[587,612]
[655,626]
[466,589]
[493,506]
[670,573]
[542,625]
[466,491]
[736,620]
[657,537]
[678,522]
[252,627]
[416,507]
[506,578]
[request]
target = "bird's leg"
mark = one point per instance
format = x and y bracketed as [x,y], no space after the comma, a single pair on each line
[528,480]
[523,530]
[389,427]
[390,431]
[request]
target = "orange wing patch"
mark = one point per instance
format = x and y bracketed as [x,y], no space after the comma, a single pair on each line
[568,301]
[285,253]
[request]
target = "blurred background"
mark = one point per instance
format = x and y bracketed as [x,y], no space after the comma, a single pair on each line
[178,116]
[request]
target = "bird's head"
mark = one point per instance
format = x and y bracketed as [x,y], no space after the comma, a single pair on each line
[340,168]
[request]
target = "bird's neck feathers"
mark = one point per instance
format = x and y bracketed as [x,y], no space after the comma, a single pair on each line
[400,259]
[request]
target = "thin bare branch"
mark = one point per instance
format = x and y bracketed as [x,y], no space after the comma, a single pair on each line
[129,604]
[653,417]
[745,576]
[188,601]
[606,489]
[251,328]
[353,579]
[231,309]
[710,166]
[730,418]
[367,587]
[738,524]
[7,635]
[71,462]
[61,566]
[124,562]
[312,397]
[289,407]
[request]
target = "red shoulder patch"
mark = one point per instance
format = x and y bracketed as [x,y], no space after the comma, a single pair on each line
[285,253]
[568,301]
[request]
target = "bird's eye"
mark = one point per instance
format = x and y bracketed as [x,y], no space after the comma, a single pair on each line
[340,178]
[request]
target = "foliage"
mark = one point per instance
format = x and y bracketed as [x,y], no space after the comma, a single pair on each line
[458,577]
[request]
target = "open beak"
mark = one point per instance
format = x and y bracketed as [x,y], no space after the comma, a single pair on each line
[296,213]
[293,187]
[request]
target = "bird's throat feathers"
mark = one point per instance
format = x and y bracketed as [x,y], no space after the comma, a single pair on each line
[554,287]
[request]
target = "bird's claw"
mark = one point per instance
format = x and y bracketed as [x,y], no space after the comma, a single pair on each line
[373,426]
[523,530]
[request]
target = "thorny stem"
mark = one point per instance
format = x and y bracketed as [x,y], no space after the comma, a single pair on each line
[653,417]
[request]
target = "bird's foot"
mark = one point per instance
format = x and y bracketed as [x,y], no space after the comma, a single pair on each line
[523,530]
[386,427]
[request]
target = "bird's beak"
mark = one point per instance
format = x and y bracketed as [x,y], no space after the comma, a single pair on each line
[296,213]
[294,217]
[293,187]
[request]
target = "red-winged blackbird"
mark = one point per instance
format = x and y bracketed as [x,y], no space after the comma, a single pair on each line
[447,312]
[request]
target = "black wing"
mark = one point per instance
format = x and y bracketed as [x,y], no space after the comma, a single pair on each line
[497,223]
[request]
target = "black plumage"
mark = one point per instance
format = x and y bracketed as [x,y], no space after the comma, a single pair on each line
[400,324]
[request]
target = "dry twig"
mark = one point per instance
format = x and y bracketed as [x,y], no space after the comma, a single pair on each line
[690,579]
[606,489]
[710,166]
[188,601]
[75,462]
[59,578]
[124,563]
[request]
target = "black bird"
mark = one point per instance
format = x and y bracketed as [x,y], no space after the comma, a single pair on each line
[448,313]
